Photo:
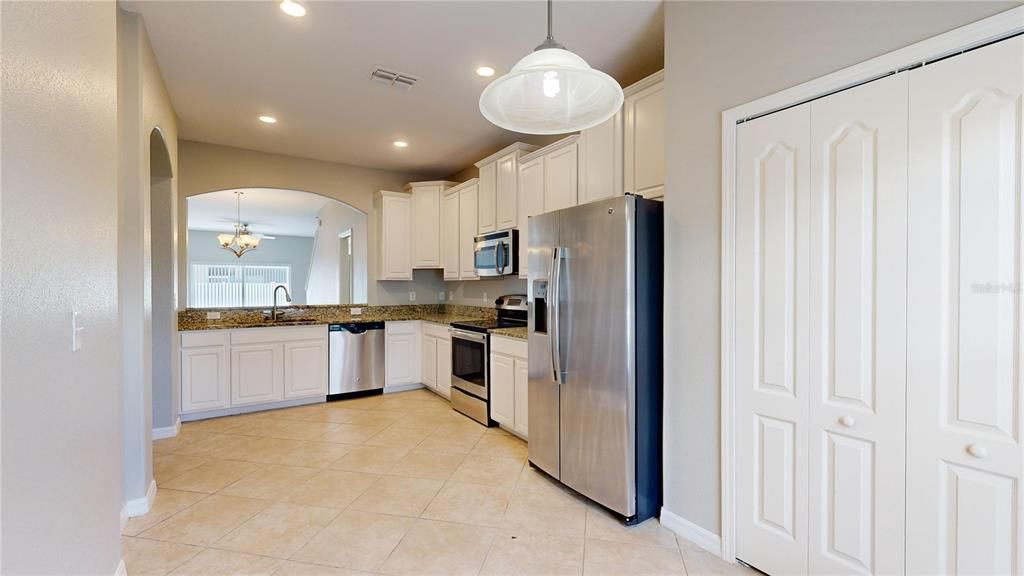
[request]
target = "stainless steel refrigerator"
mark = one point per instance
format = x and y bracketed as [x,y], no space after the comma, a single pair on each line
[595,351]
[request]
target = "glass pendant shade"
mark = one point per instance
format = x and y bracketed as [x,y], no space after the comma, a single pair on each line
[551,91]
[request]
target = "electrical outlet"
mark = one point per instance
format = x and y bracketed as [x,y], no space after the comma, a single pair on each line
[485,296]
[213,315]
[451,295]
[355,311]
[412,296]
[440,296]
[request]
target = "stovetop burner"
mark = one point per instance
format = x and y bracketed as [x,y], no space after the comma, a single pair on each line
[511,314]
[485,325]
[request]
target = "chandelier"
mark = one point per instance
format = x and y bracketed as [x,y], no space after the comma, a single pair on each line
[242,240]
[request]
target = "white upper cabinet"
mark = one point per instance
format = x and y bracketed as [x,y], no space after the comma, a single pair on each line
[468,193]
[498,189]
[450,236]
[394,237]
[601,160]
[561,176]
[486,190]
[426,222]
[531,203]
[644,137]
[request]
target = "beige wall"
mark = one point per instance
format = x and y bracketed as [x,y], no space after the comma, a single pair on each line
[146,248]
[61,411]
[719,55]
[209,167]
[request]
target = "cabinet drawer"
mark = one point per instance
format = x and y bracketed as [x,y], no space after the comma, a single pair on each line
[511,346]
[278,334]
[436,330]
[200,338]
[403,327]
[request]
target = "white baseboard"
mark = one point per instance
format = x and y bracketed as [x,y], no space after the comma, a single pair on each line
[140,506]
[122,570]
[692,532]
[167,431]
[402,388]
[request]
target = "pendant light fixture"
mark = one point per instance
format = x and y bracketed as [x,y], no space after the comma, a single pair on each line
[551,91]
[242,240]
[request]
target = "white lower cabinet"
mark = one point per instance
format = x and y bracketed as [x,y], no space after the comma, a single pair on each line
[223,369]
[305,368]
[509,383]
[204,378]
[436,359]
[257,374]
[402,353]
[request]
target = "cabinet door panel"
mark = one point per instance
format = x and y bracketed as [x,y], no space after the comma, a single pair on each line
[561,172]
[204,379]
[396,238]
[450,235]
[426,226]
[486,192]
[305,369]
[506,196]
[771,350]
[468,231]
[601,160]
[522,386]
[531,203]
[965,461]
[257,375]
[502,393]
[429,359]
[645,142]
[444,367]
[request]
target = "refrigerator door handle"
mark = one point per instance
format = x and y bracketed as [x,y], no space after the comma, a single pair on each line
[555,314]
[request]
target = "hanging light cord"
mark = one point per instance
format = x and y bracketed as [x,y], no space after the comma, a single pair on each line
[549,42]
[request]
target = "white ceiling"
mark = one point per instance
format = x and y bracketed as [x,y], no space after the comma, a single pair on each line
[269,211]
[225,63]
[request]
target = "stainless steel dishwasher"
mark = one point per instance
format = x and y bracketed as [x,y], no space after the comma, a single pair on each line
[356,359]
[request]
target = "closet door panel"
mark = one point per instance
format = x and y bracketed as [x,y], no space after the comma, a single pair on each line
[965,455]
[858,329]
[772,312]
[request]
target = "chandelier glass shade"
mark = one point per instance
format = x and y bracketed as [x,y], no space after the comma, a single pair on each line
[551,91]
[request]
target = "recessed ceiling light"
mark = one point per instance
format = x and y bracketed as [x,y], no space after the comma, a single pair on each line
[400,144]
[268,119]
[485,71]
[292,8]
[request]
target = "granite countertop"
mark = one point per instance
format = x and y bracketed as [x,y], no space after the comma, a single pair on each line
[195,319]
[519,332]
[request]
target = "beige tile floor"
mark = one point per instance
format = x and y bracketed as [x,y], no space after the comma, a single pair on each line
[396,484]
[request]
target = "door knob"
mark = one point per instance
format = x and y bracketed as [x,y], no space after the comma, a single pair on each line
[847,421]
[977,451]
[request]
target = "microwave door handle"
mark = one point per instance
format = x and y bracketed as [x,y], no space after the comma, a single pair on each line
[499,263]
[553,302]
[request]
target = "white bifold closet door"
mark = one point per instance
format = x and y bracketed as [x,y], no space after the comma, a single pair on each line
[772,305]
[821,325]
[964,456]
[858,246]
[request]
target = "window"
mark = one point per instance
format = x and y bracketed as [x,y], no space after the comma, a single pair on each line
[235,285]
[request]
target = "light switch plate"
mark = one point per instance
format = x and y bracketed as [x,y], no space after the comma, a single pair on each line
[355,311]
[440,295]
[412,296]
[76,331]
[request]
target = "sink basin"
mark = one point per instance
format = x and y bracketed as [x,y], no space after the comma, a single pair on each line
[288,321]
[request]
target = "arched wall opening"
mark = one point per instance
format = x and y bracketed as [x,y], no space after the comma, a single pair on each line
[307,233]
[162,283]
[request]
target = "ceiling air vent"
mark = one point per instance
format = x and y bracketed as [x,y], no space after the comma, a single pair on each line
[387,77]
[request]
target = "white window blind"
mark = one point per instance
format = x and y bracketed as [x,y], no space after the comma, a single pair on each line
[235,285]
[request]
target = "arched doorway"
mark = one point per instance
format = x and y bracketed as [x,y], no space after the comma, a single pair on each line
[163,283]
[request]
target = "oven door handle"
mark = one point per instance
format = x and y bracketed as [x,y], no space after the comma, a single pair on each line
[466,335]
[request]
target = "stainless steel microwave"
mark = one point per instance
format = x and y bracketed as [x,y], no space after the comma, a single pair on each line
[496,254]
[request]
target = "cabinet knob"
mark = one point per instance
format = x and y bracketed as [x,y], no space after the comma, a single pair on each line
[847,421]
[977,451]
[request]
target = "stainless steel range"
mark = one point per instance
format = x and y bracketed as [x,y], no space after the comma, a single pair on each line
[471,353]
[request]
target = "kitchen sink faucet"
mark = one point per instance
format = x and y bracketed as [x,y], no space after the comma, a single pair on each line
[287,297]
